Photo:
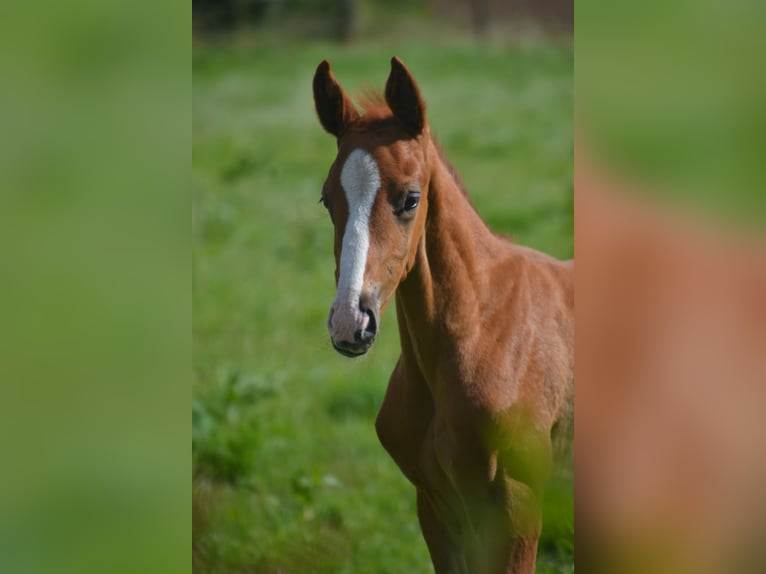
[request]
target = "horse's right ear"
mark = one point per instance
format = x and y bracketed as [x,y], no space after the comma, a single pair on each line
[403,97]
[334,108]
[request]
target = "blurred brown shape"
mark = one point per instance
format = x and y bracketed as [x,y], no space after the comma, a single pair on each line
[671,387]
[483,14]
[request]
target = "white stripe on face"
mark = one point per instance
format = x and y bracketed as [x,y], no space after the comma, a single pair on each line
[360,179]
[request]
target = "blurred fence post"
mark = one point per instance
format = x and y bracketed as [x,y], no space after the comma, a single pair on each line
[480,17]
[345,21]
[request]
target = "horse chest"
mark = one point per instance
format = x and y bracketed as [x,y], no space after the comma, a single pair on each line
[426,435]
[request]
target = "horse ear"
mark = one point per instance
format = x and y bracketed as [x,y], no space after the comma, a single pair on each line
[334,108]
[403,97]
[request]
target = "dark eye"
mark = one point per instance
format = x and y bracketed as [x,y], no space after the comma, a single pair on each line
[411,202]
[408,206]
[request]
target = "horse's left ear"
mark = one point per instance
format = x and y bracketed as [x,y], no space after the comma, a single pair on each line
[403,97]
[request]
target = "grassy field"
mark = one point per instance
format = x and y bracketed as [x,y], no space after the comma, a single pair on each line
[289,475]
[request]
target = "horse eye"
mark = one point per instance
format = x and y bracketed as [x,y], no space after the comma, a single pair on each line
[407,208]
[411,202]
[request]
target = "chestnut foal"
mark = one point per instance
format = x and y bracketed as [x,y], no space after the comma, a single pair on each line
[486,328]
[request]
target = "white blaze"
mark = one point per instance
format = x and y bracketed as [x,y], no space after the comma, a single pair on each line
[360,179]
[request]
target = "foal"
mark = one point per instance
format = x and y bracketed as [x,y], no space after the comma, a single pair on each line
[486,329]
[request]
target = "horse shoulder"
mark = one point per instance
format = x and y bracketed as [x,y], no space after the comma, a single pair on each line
[404,418]
[524,359]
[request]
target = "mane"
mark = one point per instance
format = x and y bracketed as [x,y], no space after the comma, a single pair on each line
[452,171]
[373,105]
[375,111]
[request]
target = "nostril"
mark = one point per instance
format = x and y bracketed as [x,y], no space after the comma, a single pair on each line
[367,335]
[372,326]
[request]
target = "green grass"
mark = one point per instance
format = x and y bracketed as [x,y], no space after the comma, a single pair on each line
[290,477]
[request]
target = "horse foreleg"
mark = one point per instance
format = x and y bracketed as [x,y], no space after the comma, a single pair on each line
[514,541]
[501,499]
[521,473]
[445,553]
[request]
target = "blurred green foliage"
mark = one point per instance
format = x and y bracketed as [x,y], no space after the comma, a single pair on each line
[95,297]
[289,474]
[683,113]
[329,19]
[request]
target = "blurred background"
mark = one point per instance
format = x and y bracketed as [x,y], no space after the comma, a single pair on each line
[345,20]
[288,474]
[671,277]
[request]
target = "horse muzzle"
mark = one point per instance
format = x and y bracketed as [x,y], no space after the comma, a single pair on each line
[353,329]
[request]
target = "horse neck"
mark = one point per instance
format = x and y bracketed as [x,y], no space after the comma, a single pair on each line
[438,301]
